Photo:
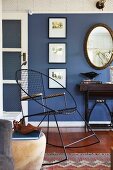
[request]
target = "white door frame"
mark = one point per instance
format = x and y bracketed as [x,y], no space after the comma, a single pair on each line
[24,49]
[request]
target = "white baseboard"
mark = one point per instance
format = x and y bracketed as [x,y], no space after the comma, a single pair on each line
[99,122]
[67,123]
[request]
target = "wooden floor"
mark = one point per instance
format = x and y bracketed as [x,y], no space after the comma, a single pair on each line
[72,134]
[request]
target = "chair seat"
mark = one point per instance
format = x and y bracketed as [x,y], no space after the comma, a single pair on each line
[52,112]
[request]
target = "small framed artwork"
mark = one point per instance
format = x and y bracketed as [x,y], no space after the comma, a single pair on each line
[57,78]
[57,27]
[57,52]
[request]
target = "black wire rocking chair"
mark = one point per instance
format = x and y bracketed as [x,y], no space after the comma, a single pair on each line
[32,85]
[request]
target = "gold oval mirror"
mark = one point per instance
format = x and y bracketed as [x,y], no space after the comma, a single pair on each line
[98,46]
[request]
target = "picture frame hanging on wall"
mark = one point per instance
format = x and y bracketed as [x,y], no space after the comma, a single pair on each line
[57,78]
[57,52]
[57,27]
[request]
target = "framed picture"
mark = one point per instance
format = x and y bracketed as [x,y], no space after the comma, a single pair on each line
[59,76]
[57,27]
[57,52]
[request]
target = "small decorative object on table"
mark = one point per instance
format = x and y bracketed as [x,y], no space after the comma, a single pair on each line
[91,75]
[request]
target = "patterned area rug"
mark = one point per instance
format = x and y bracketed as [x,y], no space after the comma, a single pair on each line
[79,161]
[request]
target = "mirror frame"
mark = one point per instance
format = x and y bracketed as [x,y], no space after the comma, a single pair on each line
[85,45]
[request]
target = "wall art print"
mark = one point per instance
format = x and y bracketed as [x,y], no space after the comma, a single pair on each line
[57,52]
[57,27]
[59,75]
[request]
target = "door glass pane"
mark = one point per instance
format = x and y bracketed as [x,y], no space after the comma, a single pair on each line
[11,33]
[11,63]
[11,97]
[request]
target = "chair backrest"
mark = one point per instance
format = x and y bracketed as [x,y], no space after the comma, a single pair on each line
[30,82]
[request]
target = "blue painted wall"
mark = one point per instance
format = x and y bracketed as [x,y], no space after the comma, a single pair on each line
[77,26]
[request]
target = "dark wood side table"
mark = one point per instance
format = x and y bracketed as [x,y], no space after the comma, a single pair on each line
[98,92]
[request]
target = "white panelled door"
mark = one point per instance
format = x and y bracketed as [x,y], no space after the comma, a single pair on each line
[14,45]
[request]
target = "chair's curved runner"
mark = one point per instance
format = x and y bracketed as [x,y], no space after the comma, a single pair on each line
[33,88]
